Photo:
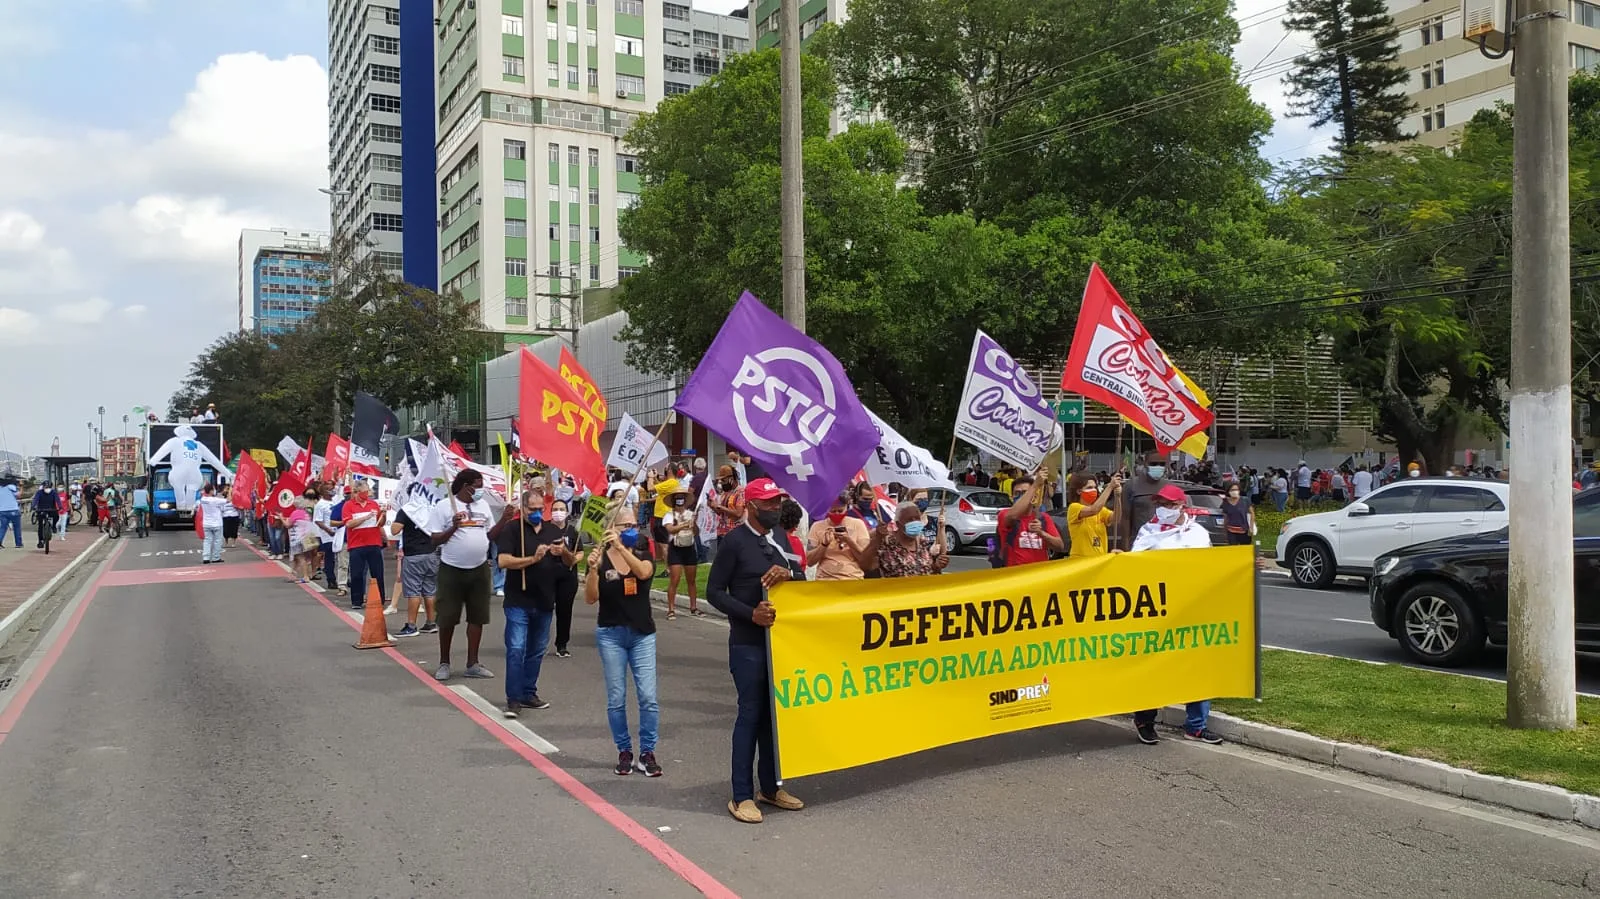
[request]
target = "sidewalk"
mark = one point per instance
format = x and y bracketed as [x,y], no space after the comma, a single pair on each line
[23,571]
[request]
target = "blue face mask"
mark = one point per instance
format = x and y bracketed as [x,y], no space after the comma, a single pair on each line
[629,537]
[1156,472]
[914,529]
[536,516]
[922,505]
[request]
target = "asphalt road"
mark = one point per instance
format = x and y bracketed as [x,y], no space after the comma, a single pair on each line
[1337,622]
[207,737]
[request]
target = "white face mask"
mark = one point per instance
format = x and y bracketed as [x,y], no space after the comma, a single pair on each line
[1156,472]
[558,517]
[1168,516]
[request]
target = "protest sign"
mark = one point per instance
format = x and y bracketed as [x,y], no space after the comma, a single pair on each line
[635,447]
[906,664]
[1002,410]
[899,461]
[593,525]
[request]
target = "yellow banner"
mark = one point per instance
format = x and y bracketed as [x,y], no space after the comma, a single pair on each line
[868,670]
[267,458]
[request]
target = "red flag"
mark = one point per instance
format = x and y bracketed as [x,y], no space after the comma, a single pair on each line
[583,385]
[1114,360]
[557,427]
[288,488]
[456,448]
[301,467]
[338,458]
[199,522]
[250,480]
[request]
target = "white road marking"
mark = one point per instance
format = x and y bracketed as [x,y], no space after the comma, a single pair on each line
[1353,621]
[515,728]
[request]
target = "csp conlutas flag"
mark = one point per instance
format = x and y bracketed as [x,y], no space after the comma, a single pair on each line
[1003,411]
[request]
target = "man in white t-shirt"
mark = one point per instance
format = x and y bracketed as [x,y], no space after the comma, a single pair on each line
[1302,482]
[322,520]
[1361,483]
[210,509]
[1173,528]
[460,526]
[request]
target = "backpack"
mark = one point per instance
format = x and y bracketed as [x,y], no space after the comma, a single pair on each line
[997,548]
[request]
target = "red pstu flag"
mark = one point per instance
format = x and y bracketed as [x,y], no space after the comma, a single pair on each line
[1114,360]
[337,455]
[557,427]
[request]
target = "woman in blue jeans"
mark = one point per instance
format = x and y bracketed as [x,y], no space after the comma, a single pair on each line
[618,580]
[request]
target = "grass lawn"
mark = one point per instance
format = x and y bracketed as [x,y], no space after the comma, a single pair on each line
[1428,714]
[1269,523]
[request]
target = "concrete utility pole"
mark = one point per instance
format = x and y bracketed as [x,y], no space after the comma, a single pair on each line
[792,209]
[1541,669]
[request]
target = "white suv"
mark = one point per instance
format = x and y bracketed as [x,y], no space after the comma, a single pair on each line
[1316,548]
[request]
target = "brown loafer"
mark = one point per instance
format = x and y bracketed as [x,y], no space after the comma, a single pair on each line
[744,812]
[782,799]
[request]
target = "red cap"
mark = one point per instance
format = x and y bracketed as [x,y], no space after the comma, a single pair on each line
[1172,493]
[763,488]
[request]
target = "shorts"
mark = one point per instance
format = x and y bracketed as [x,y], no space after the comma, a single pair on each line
[463,589]
[1302,493]
[682,555]
[230,528]
[658,531]
[419,575]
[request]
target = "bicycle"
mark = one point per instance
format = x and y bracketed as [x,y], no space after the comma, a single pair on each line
[114,522]
[47,528]
[141,522]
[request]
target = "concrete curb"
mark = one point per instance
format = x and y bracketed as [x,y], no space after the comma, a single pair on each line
[14,621]
[1533,798]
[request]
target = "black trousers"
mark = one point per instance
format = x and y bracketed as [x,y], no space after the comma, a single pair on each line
[566,590]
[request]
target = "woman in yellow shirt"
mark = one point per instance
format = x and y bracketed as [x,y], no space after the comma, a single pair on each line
[1087,515]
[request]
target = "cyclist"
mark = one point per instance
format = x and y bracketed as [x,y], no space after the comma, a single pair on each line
[45,512]
[113,499]
[141,510]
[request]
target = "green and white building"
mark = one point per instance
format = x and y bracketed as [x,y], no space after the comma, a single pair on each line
[534,98]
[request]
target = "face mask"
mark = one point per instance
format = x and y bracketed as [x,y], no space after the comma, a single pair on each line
[628,536]
[769,518]
[1156,472]
[477,495]
[1168,516]
[1234,495]
[558,517]
[536,516]
[836,517]
[1087,497]
[922,505]
[864,505]
[914,528]
[1416,474]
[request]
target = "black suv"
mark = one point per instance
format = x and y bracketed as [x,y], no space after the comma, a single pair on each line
[1445,599]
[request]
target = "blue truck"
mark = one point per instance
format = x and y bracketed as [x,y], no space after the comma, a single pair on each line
[163,502]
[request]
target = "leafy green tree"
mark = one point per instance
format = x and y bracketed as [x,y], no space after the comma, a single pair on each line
[1352,79]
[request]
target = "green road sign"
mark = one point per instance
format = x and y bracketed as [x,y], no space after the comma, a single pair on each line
[1070,411]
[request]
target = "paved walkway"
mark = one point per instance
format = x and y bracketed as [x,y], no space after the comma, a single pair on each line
[23,571]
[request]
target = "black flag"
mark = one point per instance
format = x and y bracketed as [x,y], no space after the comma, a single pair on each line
[372,420]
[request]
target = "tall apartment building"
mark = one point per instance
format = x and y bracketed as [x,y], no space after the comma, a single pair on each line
[364,128]
[695,43]
[287,274]
[1451,80]
[534,99]
[764,25]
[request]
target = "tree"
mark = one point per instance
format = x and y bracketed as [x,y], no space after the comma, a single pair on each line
[403,344]
[1352,79]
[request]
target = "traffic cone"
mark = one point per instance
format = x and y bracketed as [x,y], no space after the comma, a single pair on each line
[374,632]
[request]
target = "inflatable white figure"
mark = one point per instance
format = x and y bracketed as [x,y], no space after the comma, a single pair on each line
[186,454]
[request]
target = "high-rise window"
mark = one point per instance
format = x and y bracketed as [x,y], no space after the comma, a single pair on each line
[675,11]
[675,38]
[383,162]
[511,25]
[384,221]
[630,7]
[391,16]
[594,158]
[572,155]
[1585,13]
[516,227]
[516,190]
[1433,74]
[516,149]
[516,307]
[387,133]
[553,151]
[675,64]
[735,44]
[572,196]
[627,163]
[1433,30]
[626,271]
[630,84]
[552,31]
[674,88]
[572,34]
[572,76]
[387,193]
[630,46]
[384,74]
[383,103]
[591,38]
[552,71]
[572,231]
[627,199]
[511,65]
[516,267]
[553,193]
[1585,58]
[380,43]
[594,196]
[706,40]
[707,65]
[1433,118]
[594,274]
[555,231]
[594,233]
[594,78]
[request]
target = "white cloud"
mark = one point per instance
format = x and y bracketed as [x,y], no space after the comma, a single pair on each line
[137,310]
[256,118]
[18,327]
[19,231]
[164,227]
[88,312]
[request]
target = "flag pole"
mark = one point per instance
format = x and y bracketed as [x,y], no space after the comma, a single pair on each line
[949,461]
[644,462]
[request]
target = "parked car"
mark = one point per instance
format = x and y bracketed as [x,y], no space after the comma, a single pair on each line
[971,514]
[1316,548]
[1443,600]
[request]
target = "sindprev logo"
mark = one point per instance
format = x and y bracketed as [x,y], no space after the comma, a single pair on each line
[1022,700]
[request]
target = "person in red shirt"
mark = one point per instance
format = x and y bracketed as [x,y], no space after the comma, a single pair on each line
[363,539]
[1023,534]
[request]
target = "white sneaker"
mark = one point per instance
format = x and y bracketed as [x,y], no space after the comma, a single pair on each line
[499,593]
[389,610]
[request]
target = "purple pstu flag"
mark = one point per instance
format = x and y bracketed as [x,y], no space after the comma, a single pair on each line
[784,399]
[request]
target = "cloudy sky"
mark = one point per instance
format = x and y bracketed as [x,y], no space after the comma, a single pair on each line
[137,137]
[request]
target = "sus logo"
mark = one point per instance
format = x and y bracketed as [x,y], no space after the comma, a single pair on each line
[784,403]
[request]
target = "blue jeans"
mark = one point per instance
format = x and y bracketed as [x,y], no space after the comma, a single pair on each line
[1280,499]
[364,560]
[527,637]
[276,540]
[498,573]
[211,550]
[753,726]
[1194,717]
[11,521]
[622,648]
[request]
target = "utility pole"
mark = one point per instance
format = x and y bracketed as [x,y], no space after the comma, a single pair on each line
[1541,668]
[569,302]
[792,208]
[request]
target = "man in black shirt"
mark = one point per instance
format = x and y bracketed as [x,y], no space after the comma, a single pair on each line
[750,560]
[531,551]
[419,572]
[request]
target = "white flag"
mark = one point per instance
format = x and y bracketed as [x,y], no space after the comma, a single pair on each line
[635,447]
[898,461]
[1002,410]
